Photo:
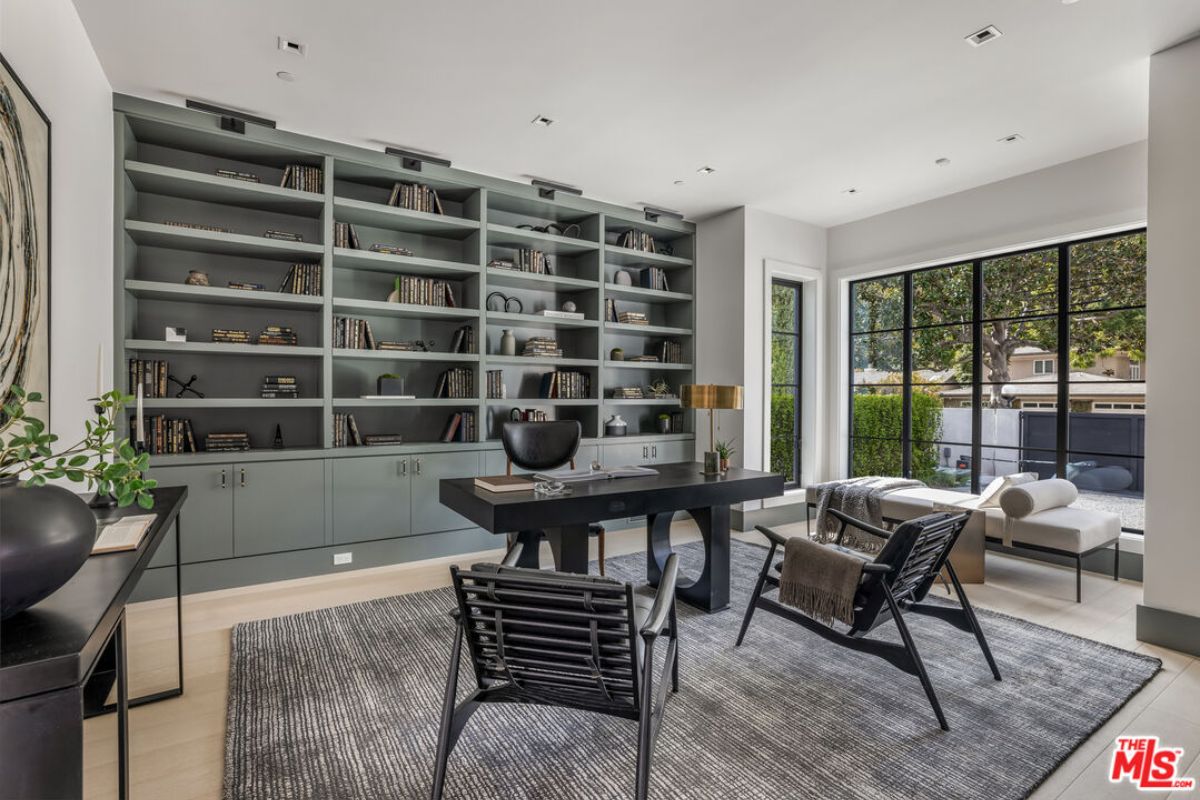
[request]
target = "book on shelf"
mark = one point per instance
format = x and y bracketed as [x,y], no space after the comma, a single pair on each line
[633,239]
[542,346]
[302,178]
[456,383]
[645,358]
[495,384]
[556,314]
[654,278]
[345,431]
[390,249]
[377,439]
[283,236]
[196,226]
[464,340]
[628,393]
[302,279]
[633,318]
[152,375]
[387,397]
[246,286]
[162,435]
[421,291]
[532,261]
[226,442]
[415,197]
[278,335]
[504,483]
[460,427]
[345,236]
[233,174]
[670,352]
[531,415]
[565,385]
[227,336]
[280,387]
[353,334]
[610,310]
[412,346]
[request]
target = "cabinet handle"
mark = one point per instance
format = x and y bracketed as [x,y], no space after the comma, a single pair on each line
[417,467]
[654,451]
[403,467]
[243,479]
[222,479]
[645,451]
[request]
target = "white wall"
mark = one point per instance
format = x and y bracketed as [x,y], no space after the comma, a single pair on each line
[46,45]
[1173,286]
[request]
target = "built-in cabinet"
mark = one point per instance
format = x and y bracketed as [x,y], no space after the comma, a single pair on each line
[372,498]
[278,506]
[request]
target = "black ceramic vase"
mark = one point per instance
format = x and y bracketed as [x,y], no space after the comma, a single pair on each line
[46,533]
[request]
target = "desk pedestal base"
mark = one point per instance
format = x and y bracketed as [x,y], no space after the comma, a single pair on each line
[709,591]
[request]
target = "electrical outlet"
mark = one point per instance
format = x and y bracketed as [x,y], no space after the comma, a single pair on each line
[342,558]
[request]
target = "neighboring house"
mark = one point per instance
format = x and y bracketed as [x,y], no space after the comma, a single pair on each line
[1035,363]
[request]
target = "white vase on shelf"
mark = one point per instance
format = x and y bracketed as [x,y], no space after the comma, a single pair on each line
[508,343]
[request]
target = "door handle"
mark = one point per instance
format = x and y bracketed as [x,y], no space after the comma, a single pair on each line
[417,466]
[403,467]
[222,479]
[654,451]
[645,451]
[243,477]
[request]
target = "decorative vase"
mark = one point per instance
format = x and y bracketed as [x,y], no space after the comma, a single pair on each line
[508,343]
[617,354]
[196,278]
[48,535]
[623,278]
[724,465]
[615,426]
[664,425]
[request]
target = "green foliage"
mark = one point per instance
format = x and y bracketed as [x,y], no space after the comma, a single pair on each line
[725,449]
[783,433]
[878,421]
[31,452]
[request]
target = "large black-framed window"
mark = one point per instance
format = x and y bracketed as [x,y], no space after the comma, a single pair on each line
[786,359]
[1030,361]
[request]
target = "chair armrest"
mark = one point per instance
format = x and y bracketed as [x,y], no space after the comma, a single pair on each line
[664,600]
[862,526]
[513,555]
[773,537]
[877,569]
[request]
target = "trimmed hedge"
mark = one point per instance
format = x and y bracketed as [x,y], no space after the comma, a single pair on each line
[878,422]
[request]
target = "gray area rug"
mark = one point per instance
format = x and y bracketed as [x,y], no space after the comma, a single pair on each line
[344,703]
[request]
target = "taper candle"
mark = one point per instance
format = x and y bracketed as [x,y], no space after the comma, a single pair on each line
[141,425]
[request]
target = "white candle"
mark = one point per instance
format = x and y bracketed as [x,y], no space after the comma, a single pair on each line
[100,370]
[141,425]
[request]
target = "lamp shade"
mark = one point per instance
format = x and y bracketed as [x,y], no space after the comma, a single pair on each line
[710,395]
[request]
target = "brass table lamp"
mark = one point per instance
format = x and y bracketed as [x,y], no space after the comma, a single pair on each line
[712,397]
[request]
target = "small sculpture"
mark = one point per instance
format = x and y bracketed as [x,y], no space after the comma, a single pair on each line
[196,278]
[569,306]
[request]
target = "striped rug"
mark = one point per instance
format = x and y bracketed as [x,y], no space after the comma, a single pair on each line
[344,703]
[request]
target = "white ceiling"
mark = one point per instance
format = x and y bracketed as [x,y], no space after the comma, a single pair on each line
[792,101]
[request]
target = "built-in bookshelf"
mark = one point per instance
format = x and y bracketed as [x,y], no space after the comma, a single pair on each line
[252,211]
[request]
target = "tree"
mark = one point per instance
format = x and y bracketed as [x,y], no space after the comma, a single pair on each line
[1020,303]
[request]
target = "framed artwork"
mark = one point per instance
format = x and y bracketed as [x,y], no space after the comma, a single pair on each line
[24,242]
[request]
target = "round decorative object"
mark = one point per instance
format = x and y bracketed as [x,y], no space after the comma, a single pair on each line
[498,301]
[615,426]
[569,306]
[196,278]
[623,278]
[617,354]
[508,343]
[48,534]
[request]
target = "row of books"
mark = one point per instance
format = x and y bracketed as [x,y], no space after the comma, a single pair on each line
[628,393]
[637,240]
[196,226]
[163,436]
[421,291]
[529,415]
[279,335]
[226,442]
[345,236]
[670,352]
[303,178]
[495,384]
[456,382]
[565,385]
[280,386]
[464,340]
[460,427]
[345,431]
[542,347]
[246,286]
[534,261]
[415,197]
[284,236]
[152,375]
[654,278]
[354,334]
[302,279]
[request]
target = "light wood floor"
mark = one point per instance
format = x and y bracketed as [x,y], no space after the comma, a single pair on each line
[177,745]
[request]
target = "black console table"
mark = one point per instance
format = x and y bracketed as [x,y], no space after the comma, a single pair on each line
[565,518]
[59,659]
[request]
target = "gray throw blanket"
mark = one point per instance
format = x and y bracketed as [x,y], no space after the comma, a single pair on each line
[821,581]
[859,498]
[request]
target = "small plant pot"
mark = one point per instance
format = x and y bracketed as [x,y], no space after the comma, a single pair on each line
[390,387]
[664,425]
[724,465]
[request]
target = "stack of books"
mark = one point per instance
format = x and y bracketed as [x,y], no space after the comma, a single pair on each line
[345,236]
[542,347]
[415,346]
[655,278]
[163,436]
[279,335]
[556,314]
[460,427]
[354,334]
[637,240]
[458,383]
[670,352]
[152,375]
[249,177]
[302,279]
[283,236]
[495,384]
[566,385]
[345,431]
[196,226]
[633,318]
[464,340]
[645,358]
[280,386]
[245,286]
[391,249]
[303,178]
[376,439]
[417,290]
[227,336]
[534,261]
[415,197]
[226,442]
[628,393]
[530,415]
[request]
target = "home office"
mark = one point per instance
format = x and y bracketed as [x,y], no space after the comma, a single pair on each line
[569,418]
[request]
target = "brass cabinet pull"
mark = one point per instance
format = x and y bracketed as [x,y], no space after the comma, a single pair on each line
[222,479]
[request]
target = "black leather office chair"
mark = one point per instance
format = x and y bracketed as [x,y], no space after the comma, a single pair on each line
[539,446]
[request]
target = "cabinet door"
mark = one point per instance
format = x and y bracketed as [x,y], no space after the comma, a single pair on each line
[623,455]
[370,498]
[278,506]
[670,452]
[207,514]
[428,513]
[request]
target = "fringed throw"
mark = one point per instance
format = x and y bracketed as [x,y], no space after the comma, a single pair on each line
[820,581]
[859,498]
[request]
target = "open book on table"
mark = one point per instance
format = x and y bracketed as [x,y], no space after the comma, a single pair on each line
[604,473]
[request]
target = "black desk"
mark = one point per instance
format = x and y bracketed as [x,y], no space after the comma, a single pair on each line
[49,653]
[677,487]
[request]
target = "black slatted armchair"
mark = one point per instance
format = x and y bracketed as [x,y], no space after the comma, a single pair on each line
[893,584]
[558,639]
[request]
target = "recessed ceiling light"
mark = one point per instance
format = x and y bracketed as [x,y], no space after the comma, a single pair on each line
[851,190]
[943,162]
[541,122]
[705,171]
[285,76]
[1012,138]
[983,36]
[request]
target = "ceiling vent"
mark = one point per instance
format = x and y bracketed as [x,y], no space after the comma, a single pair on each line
[1012,138]
[292,46]
[981,37]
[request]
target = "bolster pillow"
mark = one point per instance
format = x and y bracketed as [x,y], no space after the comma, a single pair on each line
[1030,498]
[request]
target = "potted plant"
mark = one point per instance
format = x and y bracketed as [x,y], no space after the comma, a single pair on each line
[664,423]
[390,385]
[48,530]
[725,451]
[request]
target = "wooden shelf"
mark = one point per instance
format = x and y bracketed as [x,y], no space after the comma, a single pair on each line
[628,257]
[535,321]
[650,365]
[345,258]
[155,234]
[402,355]
[382,308]
[213,295]
[535,361]
[219,348]
[508,236]
[646,330]
[531,280]
[641,295]
[190,185]
[232,402]
[378,215]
